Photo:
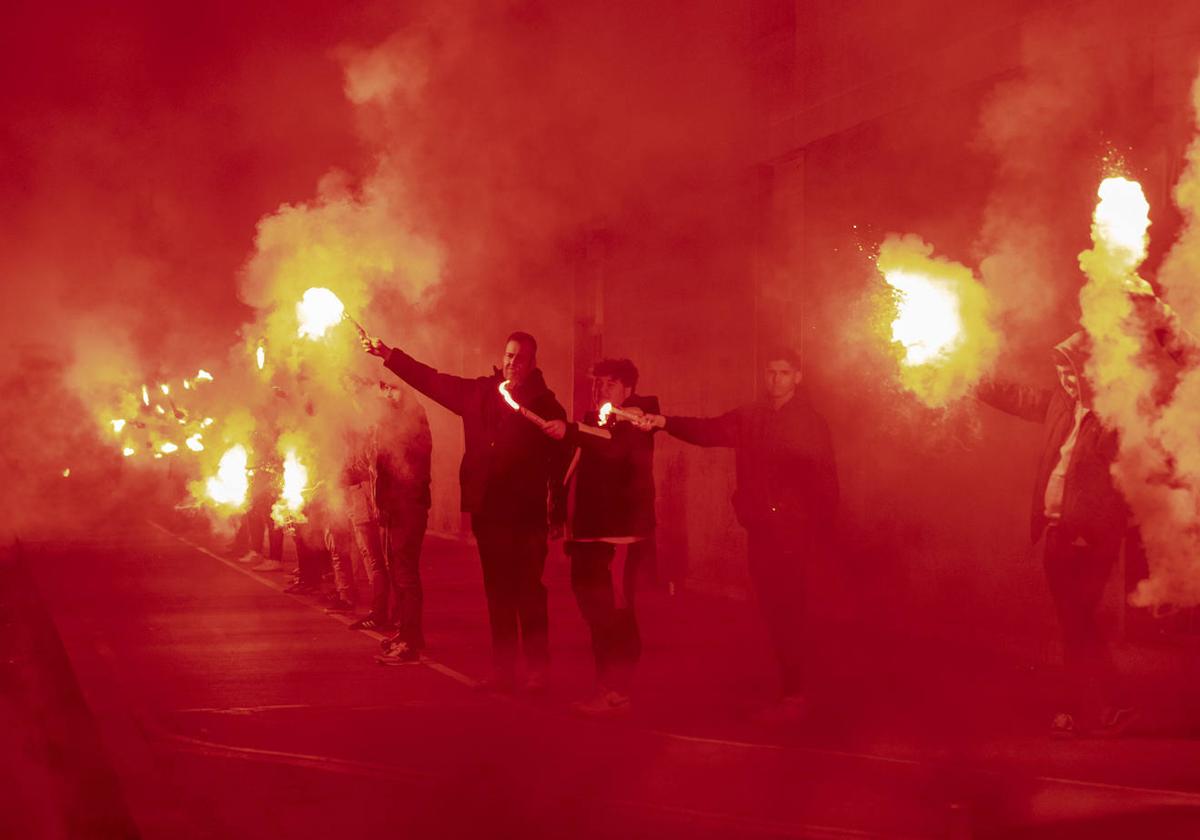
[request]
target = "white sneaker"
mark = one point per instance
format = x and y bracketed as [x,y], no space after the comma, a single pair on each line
[606,703]
[251,557]
[268,566]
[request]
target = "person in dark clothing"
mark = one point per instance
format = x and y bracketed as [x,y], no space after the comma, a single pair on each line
[402,467]
[786,498]
[1083,518]
[508,470]
[610,516]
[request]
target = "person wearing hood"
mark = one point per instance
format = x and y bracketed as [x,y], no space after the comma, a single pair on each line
[610,521]
[786,499]
[1082,519]
[508,471]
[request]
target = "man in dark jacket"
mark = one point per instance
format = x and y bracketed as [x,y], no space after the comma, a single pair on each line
[610,518]
[786,498]
[1083,518]
[508,469]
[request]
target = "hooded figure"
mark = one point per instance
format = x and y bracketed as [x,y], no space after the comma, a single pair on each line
[1083,519]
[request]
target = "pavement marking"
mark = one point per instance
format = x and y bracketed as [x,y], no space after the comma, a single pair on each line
[1179,796]
[431,664]
[390,772]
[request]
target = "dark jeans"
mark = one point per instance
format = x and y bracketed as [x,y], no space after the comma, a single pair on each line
[616,642]
[777,564]
[513,557]
[311,557]
[403,532]
[1076,576]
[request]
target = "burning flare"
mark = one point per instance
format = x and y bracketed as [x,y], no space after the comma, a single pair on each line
[940,321]
[318,310]
[289,506]
[231,483]
[260,356]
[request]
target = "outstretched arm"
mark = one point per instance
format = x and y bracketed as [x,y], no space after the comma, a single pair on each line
[1024,401]
[705,431]
[449,391]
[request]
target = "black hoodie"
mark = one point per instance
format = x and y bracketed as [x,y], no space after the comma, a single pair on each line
[509,465]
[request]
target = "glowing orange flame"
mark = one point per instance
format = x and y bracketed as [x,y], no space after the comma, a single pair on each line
[290,504]
[927,320]
[231,484]
[166,389]
[203,376]
[127,451]
[118,425]
[940,320]
[508,398]
[605,410]
[318,310]
[1121,221]
[66,473]
[168,448]
[193,443]
[260,356]
[145,396]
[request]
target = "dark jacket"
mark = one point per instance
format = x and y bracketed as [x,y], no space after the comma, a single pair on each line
[509,466]
[786,474]
[403,459]
[1092,508]
[613,483]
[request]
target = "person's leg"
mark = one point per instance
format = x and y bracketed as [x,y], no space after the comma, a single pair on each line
[529,554]
[495,550]
[1076,576]
[403,538]
[776,572]
[337,543]
[371,549]
[627,640]
[592,585]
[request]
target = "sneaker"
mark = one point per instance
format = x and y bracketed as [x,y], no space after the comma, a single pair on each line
[339,605]
[268,566]
[1115,721]
[251,557]
[301,588]
[1063,726]
[605,704]
[370,623]
[400,653]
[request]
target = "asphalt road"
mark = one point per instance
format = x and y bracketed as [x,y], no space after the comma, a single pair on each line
[229,709]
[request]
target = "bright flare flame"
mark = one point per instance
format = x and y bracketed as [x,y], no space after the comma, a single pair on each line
[168,448]
[145,395]
[208,421]
[230,485]
[508,398]
[927,321]
[1122,220]
[605,410]
[193,443]
[318,310]
[289,506]
[940,320]
[166,389]
[127,451]
[67,473]
[260,356]
[203,376]
[118,425]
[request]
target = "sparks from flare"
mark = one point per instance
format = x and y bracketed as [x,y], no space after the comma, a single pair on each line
[318,310]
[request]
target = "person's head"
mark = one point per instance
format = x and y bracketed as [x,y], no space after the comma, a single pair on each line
[520,357]
[781,374]
[613,380]
[1070,356]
